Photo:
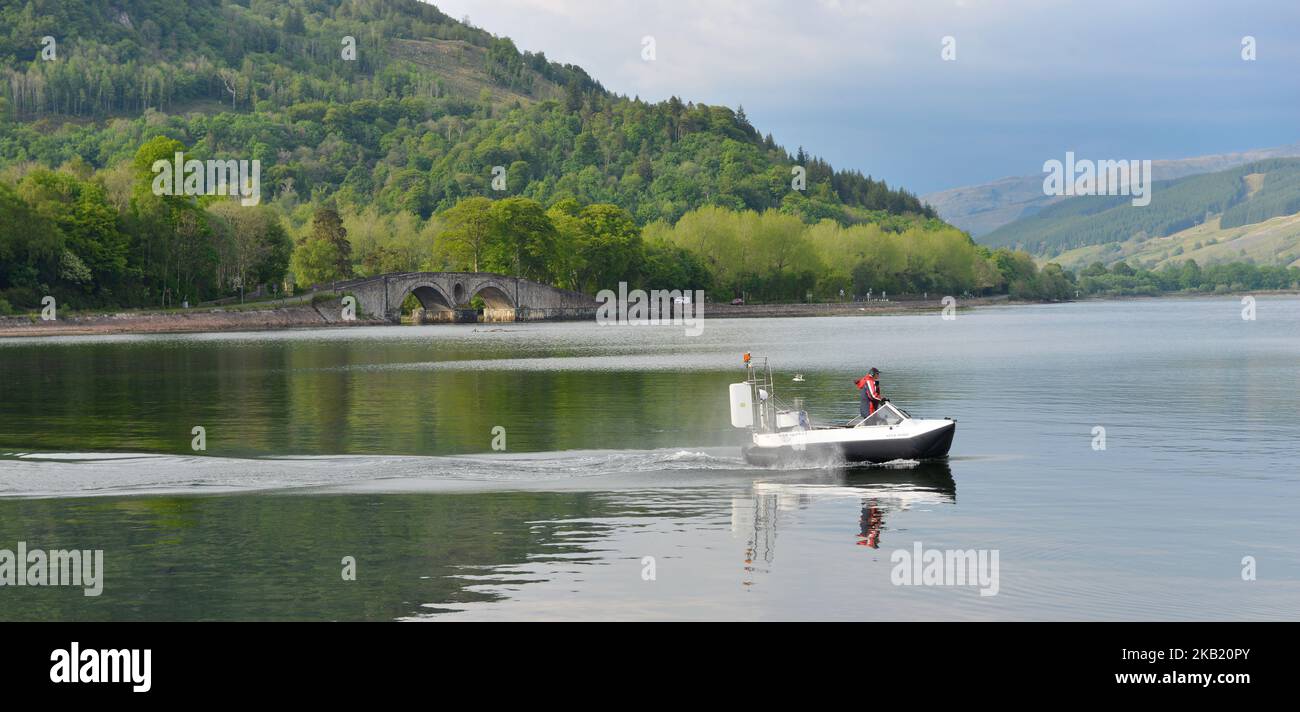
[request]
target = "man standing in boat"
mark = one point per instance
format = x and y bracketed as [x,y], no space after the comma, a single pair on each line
[870,388]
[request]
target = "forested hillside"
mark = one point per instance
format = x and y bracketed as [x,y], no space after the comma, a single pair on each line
[417,121]
[383,160]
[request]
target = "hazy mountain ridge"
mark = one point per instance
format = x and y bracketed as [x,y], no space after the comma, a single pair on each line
[981,209]
[1246,213]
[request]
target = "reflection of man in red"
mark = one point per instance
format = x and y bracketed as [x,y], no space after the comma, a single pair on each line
[871,521]
[870,393]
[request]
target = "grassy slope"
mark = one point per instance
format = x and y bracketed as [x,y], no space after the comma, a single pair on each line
[1272,241]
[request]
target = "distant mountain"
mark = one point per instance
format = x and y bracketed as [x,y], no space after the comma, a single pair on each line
[1244,213]
[981,209]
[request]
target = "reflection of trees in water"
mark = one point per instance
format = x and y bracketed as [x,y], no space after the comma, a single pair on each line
[881,491]
[290,396]
[278,557]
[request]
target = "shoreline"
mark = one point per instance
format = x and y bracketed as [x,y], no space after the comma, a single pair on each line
[292,316]
[308,315]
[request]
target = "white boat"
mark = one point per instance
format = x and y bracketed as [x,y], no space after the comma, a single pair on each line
[783,432]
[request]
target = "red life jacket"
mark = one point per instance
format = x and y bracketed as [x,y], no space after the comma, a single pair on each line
[869,383]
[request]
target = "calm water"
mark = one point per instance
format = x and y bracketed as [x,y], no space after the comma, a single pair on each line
[376,444]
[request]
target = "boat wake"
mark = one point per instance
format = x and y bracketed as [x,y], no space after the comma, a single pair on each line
[24,474]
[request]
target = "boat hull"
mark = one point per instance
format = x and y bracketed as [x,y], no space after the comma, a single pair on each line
[929,445]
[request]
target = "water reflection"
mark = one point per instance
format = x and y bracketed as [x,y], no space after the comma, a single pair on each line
[881,491]
[620,448]
[419,555]
[927,483]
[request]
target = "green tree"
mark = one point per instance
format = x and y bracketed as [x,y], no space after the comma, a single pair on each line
[88,224]
[324,253]
[609,247]
[315,262]
[470,229]
[523,239]
[30,250]
[255,249]
[566,262]
[327,226]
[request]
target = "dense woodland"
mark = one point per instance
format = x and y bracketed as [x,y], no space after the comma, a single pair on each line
[387,163]
[403,126]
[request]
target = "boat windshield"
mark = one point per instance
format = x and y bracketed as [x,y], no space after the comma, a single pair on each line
[886,414]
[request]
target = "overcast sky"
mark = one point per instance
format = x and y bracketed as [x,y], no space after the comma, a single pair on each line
[863,83]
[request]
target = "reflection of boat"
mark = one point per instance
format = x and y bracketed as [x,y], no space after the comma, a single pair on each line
[933,476]
[880,492]
[901,487]
[783,433]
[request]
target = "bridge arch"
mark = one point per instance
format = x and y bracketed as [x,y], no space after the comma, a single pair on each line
[445,296]
[494,294]
[431,297]
[433,300]
[498,304]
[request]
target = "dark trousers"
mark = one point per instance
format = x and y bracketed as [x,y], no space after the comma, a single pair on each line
[867,406]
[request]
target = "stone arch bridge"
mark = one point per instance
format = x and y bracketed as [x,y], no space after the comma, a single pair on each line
[445,297]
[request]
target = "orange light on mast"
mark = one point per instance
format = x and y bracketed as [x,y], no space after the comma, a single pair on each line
[747,357]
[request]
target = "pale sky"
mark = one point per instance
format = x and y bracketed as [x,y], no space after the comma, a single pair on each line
[863,84]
